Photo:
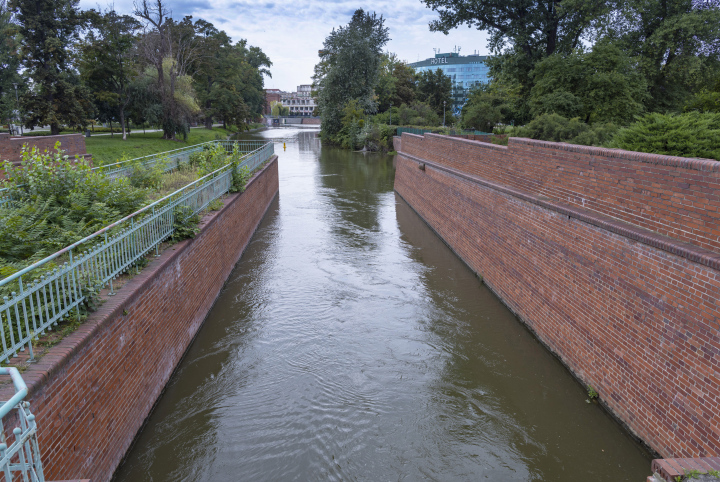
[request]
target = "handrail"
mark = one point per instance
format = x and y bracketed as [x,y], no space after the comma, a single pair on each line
[22,456]
[51,295]
[21,390]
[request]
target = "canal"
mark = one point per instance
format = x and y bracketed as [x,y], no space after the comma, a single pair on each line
[350,343]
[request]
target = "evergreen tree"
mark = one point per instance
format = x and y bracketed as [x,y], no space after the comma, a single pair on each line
[49,29]
[9,64]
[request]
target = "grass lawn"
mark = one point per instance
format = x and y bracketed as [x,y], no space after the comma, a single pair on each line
[108,149]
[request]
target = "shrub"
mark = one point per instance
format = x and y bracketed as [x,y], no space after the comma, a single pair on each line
[418,113]
[556,128]
[56,202]
[215,205]
[209,159]
[148,177]
[186,224]
[240,177]
[377,137]
[693,134]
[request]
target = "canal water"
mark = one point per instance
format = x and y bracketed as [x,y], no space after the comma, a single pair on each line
[351,344]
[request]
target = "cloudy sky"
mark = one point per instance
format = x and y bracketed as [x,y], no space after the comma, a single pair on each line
[291,32]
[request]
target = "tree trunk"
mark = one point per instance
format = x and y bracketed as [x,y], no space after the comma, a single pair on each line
[54,129]
[122,123]
[208,119]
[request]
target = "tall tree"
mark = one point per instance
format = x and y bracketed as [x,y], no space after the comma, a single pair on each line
[397,83]
[349,68]
[106,62]
[210,67]
[677,43]
[171,48]
[229,79]
[602,85]
[527,30]
[485,108]
[9,63]
[50,29]
[434,89]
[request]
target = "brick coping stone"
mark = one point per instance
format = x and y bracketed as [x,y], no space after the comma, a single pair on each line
[669,469]
[697,164]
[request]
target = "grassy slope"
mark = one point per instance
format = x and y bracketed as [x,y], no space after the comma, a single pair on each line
[107,149]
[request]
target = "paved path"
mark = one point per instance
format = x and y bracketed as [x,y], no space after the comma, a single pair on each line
[136,130]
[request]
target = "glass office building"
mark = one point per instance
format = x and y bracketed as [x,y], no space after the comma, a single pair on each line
[465,71]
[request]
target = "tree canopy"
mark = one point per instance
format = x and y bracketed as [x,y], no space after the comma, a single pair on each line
[48,28]
[434,88]
[73,67]
[349,68]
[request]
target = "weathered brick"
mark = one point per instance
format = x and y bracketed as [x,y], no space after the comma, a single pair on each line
[560,235]
[92,392]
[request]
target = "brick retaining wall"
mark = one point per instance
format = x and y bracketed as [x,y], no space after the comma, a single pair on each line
[11,147]
[92,392]
[631,312]
[673,196]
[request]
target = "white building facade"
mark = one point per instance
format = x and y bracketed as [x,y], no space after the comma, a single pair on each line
[299,102]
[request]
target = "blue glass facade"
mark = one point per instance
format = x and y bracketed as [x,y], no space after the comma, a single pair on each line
[465,71]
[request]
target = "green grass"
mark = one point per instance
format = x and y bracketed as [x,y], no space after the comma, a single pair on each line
[109,149]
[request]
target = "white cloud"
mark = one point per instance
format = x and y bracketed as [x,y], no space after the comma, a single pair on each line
[291,33]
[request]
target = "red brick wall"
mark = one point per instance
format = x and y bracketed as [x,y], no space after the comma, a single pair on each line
[92,392]
[271,97]
[630,313]
[673,196]
[10,147]
[312,121]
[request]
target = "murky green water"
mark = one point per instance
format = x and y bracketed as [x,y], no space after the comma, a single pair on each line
[351,344]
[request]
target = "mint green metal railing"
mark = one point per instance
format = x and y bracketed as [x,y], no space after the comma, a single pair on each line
[46,292]
[173,159]
[19,453]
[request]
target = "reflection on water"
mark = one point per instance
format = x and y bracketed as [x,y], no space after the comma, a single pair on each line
[351,344]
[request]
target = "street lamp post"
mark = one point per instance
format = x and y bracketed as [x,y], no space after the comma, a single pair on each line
[17,99]
[444,102]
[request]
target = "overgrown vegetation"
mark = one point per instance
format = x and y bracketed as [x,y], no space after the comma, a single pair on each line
[361,108]
[693,134]
[58,201]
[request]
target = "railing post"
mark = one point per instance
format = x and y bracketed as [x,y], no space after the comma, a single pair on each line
[112,292]
[20,460]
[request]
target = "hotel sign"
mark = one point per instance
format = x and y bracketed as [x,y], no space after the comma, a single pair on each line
[441,60]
